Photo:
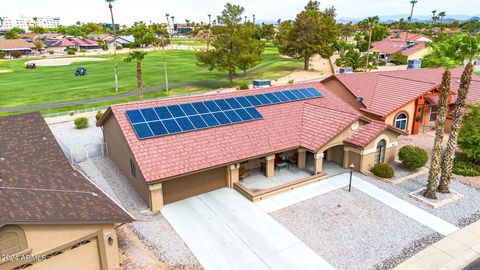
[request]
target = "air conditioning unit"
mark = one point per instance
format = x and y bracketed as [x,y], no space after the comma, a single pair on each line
[346,70]
[414,64]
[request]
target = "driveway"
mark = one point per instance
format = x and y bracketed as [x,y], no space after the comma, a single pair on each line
[226,231]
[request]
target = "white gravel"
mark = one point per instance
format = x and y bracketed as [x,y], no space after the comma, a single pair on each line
[460,213]
[351,230]
[79,143]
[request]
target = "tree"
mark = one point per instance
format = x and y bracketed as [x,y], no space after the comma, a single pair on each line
[379,32]
[351,58]
[267,31]
[313,32]
[14,32]
[115,66]
[413,2]
[370,22]
[138,57]
[469,49]
[37,29]
[469,137]
[442,15]
[348,30]
[91,27]
[434,172]
[38,44]
[144,35]
[233,44]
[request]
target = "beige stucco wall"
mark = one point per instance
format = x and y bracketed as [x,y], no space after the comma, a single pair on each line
[410,109]
[368,159]
[46,239]
[420,54]
[120,153]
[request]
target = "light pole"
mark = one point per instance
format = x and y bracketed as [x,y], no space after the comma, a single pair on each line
[352,166]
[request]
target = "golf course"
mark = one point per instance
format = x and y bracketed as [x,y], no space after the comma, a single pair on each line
[52,84]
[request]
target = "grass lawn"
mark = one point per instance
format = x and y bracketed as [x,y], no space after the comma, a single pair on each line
[477,72]
[55,84]
[187,42]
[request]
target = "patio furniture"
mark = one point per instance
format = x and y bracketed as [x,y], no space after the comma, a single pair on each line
[279,166]
[293,159]
[244,173]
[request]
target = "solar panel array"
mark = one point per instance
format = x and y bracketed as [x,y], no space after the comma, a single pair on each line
[179,118]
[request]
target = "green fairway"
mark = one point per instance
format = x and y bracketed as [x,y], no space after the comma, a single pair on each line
[55,84]
[477,72]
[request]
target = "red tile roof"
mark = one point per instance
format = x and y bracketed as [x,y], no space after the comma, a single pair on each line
[391,47]
[385,92]
[365,134]
[309,124]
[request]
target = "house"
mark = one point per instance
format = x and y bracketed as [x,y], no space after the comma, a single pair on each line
[168,156]
[16,45]
[406,99]
[413,46]
[51,216]
[110,40]
[65,43]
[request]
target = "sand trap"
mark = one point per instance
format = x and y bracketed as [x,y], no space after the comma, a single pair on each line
[63,61]
[4,71]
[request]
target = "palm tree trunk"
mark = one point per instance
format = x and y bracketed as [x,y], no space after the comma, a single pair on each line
[458,114]
[115,66]
[139,80]
[368,50]
[430,192]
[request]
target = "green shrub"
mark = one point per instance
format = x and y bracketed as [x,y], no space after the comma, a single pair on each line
[71,51]
[83,50]
[244,86]
[99,115]
[469,137]
[81,122]
[383,170]
[413,157]
[119,47]
[291,82]
[51,52]
[465,166]
[71,113]
[2,55]
[399,59]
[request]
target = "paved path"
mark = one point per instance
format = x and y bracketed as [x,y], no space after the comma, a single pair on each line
[297,195]
[123,95]
[226,231]
[453,252]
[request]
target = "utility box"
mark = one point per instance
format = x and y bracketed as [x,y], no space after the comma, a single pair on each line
[261,83]
[414,64]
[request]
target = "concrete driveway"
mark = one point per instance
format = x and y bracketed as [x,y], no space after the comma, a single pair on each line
[226,231]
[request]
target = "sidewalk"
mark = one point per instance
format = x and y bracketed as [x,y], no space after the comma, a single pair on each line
[453,252]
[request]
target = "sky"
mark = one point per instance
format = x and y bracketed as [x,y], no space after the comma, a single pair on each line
[129,11]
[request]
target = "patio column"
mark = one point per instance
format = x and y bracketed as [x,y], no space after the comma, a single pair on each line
[156,197]
[318,163]
[302,158]
[233,175]
[270,166]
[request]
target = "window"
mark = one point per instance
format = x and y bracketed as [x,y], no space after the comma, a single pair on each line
[401,121]
[12,240]
[433,114]
[133,168]
[380,153]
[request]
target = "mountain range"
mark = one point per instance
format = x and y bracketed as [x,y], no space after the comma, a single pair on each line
[418,18]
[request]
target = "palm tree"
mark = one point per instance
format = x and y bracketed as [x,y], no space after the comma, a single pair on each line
[351,58]
[115,66]
[209,19]
[138,57]
[469,49]
[253,18]
[173,25]
[413,2]
[442,15]
[35,21]
[370,22]
[434,17]
[444,90]
[168,22]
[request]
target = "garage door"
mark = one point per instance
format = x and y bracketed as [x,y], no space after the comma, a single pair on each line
[83,256]
[188,186]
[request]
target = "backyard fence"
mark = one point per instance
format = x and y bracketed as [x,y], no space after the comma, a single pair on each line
[89,151]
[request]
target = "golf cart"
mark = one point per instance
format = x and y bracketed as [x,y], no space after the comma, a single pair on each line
[81,71]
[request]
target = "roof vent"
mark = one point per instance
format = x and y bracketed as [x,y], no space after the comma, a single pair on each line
[410,44]
[359,99]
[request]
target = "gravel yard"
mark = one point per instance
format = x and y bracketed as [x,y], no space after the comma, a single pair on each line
[351,230]
[459,213]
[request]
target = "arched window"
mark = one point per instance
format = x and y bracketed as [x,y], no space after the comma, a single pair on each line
[380,153]
[401,121]
[12,240]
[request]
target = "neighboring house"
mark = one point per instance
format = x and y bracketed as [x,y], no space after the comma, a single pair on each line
[406,99]
[110,40]
[413,47]
[16,45]
[179,157]
[71,42]
[50,213]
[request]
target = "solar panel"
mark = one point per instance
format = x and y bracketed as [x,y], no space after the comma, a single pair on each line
[142,130]
[178,118]
[135,116]
[163,113]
